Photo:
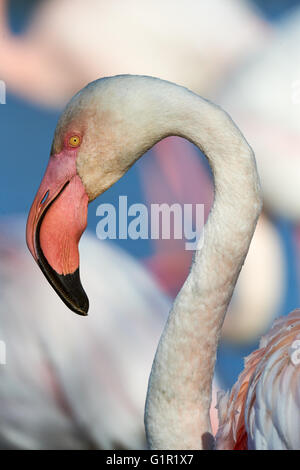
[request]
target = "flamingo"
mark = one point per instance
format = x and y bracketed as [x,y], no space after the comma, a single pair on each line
[263,97]
[104,129]
[252,415]
[71,389]
[197,44]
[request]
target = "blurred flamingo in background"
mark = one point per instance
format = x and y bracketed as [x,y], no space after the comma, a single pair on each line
[68,44]
[68,384]
[143,110]
[263,98]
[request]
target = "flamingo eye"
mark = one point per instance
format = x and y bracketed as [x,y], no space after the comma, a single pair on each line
[74,141]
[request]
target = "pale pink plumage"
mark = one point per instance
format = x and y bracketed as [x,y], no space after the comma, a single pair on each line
[262,409]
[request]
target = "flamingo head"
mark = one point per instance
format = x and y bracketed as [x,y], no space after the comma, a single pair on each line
[95,143]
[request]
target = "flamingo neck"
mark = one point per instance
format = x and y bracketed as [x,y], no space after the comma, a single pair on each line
[179,391]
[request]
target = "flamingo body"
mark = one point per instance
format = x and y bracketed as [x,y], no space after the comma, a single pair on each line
[262,410]
[114,121]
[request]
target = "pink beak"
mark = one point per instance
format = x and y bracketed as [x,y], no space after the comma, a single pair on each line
[57,219]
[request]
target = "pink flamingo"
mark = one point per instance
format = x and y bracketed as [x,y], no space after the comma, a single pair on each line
[105,128]
[196,44]
[72,389]
[251,415]
[264,97]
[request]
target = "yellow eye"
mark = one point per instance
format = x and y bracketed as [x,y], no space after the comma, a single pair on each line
[74,141]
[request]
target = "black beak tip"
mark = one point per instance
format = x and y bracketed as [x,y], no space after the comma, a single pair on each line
[68,287]
[72,292]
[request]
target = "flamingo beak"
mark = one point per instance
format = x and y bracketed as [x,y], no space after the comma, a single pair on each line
[57,219]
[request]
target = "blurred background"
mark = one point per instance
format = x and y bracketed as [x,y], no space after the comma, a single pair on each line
[74,384]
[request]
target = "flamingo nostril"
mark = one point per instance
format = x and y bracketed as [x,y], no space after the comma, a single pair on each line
[44,198]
